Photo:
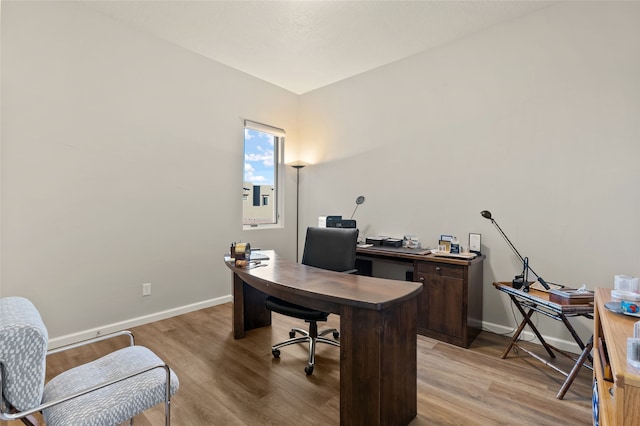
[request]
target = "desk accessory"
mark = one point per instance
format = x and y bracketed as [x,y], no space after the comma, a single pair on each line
[626,288]
[633,351]
[341,223]
[359,201]
[474,243]
[392,242]
[521,280]
[571,296]
[241,253]
[411,241]
[375,241]
[465,256]
[444,246]
[616,307]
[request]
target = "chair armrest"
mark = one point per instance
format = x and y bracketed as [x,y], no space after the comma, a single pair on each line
[93,340]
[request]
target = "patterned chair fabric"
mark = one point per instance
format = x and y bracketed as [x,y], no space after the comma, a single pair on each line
[23,348]
[23,351]
[116,403]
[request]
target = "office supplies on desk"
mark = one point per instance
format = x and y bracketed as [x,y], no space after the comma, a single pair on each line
[410,241]
[392,242]
[341,223]
[626,308]
[475,245]
[626,288]
[571,296]
[258,255]
[455,255]
[375,241]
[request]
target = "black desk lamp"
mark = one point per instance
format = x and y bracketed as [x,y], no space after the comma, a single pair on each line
[359,201]
[519,280]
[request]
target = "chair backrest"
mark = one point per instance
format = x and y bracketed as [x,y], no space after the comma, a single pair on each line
[23,351]
[331,248]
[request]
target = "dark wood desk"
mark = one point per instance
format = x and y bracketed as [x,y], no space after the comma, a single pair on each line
[450,306]
[538,301]
[378,345]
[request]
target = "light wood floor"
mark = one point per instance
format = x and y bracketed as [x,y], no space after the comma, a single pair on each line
[237,382]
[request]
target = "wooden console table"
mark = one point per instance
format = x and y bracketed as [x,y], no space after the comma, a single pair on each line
[450,306]
[378,346]
[618,401]
[538,301]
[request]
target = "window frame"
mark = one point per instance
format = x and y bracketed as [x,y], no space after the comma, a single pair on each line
[278,164]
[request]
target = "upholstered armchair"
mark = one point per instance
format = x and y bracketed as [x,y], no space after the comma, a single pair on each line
[107,391]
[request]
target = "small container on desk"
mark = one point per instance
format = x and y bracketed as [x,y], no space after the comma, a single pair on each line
[571,296]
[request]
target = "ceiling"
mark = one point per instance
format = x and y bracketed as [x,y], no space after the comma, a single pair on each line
[304,45]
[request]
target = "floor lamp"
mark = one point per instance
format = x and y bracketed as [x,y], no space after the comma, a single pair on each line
[297,166]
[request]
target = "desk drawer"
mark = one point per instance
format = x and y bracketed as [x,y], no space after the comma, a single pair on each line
[442,269]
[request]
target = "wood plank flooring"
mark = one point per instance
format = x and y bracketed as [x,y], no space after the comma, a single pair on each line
[237,382]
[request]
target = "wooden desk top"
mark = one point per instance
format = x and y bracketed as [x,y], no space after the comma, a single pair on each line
[542,299]
[321,289]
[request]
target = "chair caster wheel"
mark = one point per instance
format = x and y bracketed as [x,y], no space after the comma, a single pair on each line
[275,353]
[336,335]
[292,334]
[309,370]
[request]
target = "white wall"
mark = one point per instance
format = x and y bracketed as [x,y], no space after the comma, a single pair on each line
[119,149]
[536,120]
[122,165]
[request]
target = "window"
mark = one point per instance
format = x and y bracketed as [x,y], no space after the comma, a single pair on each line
[263,154]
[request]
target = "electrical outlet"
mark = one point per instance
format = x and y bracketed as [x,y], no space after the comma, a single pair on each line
[146,289]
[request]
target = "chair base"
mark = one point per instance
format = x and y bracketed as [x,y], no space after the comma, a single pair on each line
[312,338]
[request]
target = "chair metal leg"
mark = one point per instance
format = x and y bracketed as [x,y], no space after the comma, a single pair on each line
[312,338]
[328,331]
[299,331]
[167,397]
[293,341]
[327,341]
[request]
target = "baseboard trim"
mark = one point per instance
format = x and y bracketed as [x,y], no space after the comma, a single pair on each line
[68,339]
[134,322]
[527,335]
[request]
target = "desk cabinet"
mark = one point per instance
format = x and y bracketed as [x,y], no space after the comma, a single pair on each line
[450,305]
[619,401]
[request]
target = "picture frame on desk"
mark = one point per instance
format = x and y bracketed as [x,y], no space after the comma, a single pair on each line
[475,245]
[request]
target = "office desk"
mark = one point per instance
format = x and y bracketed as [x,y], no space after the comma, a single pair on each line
[538,301]
[377,331]
[450,306]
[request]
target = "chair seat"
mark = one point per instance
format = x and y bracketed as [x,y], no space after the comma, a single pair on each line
[291,309]
[116,403]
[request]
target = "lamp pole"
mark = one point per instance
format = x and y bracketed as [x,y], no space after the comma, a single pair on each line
[525,260]
[297,167]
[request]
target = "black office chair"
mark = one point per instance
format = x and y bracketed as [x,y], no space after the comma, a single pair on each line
[326,248]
